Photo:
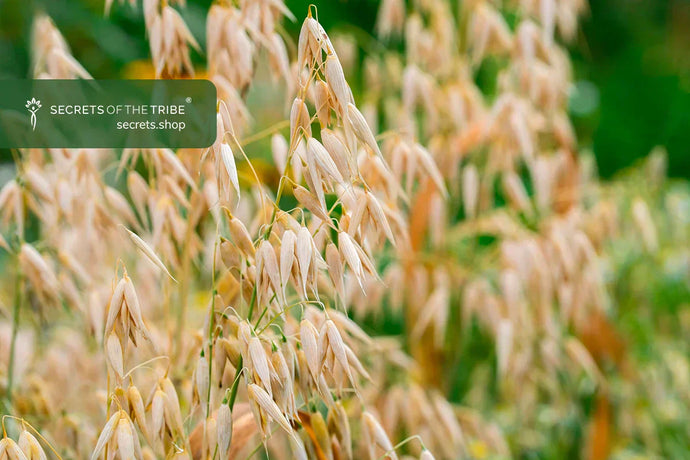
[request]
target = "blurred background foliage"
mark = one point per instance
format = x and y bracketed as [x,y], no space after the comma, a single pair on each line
[631,62]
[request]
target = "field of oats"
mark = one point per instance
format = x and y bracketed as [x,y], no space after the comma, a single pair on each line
[397,247]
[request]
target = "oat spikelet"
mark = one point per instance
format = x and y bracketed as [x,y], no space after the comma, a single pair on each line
[148,252]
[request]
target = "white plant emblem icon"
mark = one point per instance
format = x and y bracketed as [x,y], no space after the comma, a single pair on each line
[32,106]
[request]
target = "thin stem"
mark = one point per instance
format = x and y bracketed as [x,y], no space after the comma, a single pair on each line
[236,383]
[18,301]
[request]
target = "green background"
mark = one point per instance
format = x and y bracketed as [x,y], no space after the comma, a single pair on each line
[631,61]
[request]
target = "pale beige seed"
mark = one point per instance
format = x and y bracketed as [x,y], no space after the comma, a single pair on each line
[241,236]
[148,252]
[379,216]
[335,77]
[287,256]
[172,405]
[354,362]
[335,268]
[115,355]
[348,250]
[134,308]
[12,450]
[299,119]
[267,263]
[116,301]
[470,190]
[303,45]
[323,159]
[31,447]
[137,406]
[378,435]
[231,347]
[304,255]
[340,154]
[259,361]
[230,166]
[32,261]
[336,344]
[280,150]
[224,429]
[125,439]
[361,129]
[358,213]
[169,157]
[309,201]
[322,102]
[211,435]
[430,167]
[265,402]
[202,382]
[158,403]
[308,335]
[106,434]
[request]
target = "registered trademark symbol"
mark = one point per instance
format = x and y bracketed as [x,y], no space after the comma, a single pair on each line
[189,99]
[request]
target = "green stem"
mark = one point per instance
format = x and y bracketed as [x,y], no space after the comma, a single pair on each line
[235,384]
[18,300]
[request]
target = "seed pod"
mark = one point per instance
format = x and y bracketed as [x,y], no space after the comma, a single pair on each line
[267,263]
[116,301]
[158,403]
[125,439]
[335,268]
[202,382]
[148,252]
[259,363]
[115,355]
[310,202]
[137,406]
[265,402]
[305,247]
[335,77]
[349,252]
[232,349]
[31,447]
[230,166]
[378,434]
[470,190]
[11,450]
[224,429]
[322,102]
[280,150]
[299,118]
[324,160]
[106,434]
[336,344]
[308,334]
[341,156]
[361,129]
[240,236]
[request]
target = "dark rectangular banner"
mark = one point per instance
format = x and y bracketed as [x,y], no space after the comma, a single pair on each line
[107,113]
